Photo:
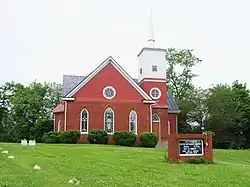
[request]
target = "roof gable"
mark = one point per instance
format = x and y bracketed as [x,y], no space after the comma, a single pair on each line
[85,80]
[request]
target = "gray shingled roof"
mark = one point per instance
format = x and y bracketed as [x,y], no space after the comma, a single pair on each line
[172,106]
[71,81]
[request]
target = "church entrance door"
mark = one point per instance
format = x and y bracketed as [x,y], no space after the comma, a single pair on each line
[156,128]
[156,125]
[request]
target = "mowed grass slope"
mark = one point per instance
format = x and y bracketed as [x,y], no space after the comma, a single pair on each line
[100,165]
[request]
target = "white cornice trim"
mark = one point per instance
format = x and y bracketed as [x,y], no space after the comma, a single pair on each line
[174,111]
[119,69]
[147,101]
[152,80]
[68,99]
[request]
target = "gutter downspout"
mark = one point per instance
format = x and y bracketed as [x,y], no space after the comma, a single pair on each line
[54,119]
[65,115]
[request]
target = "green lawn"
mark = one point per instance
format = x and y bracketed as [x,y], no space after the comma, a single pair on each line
[97,165]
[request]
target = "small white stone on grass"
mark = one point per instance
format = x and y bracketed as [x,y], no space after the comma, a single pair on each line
[11,157]
[77,182]
[74,181]
[36,167]
[5,152]
[71,181]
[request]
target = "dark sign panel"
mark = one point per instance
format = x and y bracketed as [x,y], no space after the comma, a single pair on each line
[191,147]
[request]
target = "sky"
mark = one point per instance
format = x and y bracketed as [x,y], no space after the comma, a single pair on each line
[44,39]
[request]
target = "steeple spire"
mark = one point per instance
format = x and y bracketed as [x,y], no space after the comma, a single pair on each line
[151,39]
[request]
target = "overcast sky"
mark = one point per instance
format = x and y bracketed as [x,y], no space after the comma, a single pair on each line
[44,39]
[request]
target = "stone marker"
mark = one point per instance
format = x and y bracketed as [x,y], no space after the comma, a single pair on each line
[32,142]
[74,181]
[24,142]
[36,167]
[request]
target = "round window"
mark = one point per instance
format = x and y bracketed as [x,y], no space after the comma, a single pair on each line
[155,93]
[109,92]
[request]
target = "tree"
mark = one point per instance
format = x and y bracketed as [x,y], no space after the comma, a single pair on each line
[179,75]
[54,93]
[229,109]
[193,114]
[179,72]
[25,108]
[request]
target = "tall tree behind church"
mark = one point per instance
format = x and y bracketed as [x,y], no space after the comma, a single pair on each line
[180,75]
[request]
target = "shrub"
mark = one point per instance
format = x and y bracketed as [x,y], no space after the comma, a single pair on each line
[69,137]
[221,144]
[199,161]
[98,137]
[124,138]
[41,127]
[50,137]
[148,139]
[61,137]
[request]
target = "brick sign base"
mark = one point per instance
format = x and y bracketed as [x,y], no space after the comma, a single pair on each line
[185,146]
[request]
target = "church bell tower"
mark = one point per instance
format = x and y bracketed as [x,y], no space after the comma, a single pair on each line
[152,68]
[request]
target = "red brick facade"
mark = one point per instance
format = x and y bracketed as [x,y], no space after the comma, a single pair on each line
[127,98]
[161,85]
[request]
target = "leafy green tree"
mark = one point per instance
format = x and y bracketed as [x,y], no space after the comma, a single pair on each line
[180,75]
[179,72]
[25,106]
[194,112]
[229,109]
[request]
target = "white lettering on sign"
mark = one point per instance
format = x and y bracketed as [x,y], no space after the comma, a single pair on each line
[191,147]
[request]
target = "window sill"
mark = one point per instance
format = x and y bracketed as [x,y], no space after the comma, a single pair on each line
[84,132]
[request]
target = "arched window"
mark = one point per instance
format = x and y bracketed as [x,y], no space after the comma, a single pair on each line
[109,121]
[155,118]
[133,122]
[84,121]
[59,125]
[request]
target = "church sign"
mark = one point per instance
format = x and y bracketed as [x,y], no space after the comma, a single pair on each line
[191,147]
[181,147]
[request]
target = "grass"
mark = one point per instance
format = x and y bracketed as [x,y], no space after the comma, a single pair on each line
[100,165]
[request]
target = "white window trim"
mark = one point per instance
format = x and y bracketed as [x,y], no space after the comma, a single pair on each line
[113,120]
[158,118]
[135,121]
[158,91]
[103,92]
[87,121]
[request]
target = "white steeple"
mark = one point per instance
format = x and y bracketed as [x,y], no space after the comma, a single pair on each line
[151,39]
[151,60]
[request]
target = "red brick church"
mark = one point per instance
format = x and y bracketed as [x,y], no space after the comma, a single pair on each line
[110,99]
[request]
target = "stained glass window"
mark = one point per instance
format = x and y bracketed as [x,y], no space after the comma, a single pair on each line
[109,92]
[84,121]
[133,122]
[155,118]
[109,120]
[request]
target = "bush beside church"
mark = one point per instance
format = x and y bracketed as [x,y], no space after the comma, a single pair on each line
[122,138]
